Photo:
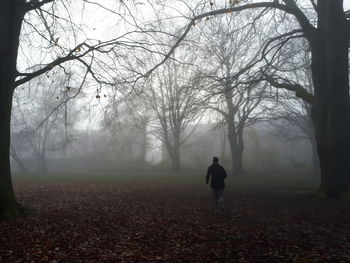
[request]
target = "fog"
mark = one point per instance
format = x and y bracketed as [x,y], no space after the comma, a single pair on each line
[174,131]
[148,96]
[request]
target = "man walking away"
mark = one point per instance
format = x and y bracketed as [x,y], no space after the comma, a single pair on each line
[217,174]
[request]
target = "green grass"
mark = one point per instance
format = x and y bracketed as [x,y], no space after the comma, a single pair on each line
[186,179]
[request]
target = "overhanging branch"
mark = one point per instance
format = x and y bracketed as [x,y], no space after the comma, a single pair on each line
[31,5]
[289,8]
[300,92]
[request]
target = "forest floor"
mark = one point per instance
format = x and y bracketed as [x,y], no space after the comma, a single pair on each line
[172,219]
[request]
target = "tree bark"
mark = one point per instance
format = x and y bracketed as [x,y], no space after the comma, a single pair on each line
[337,138]
[234,134]
[11,18]
[236,147]
[315,160]
[173,150]
[176,160]
[175,153]
[311,137]
[331,109]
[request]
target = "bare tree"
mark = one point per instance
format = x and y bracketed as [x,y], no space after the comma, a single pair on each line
[326,27]
[32,106]
[290,110]
[174,95]
[231,47]
[126,118]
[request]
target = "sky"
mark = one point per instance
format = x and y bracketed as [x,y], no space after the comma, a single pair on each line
[98,24]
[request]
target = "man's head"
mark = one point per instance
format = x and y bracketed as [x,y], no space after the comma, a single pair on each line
[215,159]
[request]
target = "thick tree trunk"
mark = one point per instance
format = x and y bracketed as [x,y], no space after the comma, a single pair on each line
[241,170]
[315,160]
[176,163]
[236,147]
[338,132]
[331,109]
[234,134]
[237,160]
[10,26]
[174,154]
[311,136]
[9,208]
[319,109]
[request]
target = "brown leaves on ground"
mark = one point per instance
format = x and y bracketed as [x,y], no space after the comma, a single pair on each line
[111,223]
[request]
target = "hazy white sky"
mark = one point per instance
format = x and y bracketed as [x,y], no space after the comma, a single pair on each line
[98,23]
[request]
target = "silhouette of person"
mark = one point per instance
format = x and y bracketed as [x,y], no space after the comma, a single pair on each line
[217,174]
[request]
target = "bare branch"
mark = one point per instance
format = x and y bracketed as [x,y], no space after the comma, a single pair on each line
[68,98]
[300,92]
[313,3]
[31,5]
[307,29]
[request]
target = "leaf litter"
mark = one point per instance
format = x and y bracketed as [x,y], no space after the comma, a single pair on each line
[157,223]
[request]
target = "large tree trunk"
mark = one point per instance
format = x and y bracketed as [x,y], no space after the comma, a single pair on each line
[9,207]
[10,26]
[236,147]
[338,132]
[315,160]
[331,109]
[176,164]
[319,109]
[174,154]
[240,151]
[311,136]
[234,134]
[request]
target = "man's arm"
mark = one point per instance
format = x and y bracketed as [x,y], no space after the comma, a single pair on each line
[207,177]
[224,172]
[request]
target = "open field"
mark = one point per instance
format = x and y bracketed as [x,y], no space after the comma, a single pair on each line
[171,218]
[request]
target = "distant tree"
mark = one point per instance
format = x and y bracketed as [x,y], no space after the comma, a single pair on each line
[291,111]
[326,27]
[141,115]
[126,119]
[38,122]
[174,95]
[230,49]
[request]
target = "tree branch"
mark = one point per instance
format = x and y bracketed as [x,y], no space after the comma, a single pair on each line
[300,92]
[68,98]
[314,5]
[72,55]
[290,8]
[34,4]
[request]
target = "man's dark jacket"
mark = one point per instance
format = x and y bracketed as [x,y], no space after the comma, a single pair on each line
[217,174]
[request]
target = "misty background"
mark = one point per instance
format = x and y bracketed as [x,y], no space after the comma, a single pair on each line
[106,114]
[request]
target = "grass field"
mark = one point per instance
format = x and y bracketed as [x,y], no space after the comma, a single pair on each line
[171,218]
[192,178]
